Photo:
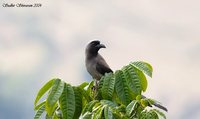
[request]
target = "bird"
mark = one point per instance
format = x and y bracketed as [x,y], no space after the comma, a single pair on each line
[97,66]
[95,63]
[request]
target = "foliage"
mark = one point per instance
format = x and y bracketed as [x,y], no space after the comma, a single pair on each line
[118,96]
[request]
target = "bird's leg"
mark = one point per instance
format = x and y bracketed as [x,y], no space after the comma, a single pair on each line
[94,88]
[96,84]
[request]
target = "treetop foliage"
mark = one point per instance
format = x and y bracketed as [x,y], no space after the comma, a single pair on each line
[118,96]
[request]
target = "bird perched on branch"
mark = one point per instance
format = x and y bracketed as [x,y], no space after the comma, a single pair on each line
[97,66]
[95,63]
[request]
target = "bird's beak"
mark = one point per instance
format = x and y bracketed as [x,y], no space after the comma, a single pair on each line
[101,46]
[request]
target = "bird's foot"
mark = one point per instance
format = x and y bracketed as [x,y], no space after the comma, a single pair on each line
[94,88]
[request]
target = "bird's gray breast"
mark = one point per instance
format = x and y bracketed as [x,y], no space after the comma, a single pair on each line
[91,68]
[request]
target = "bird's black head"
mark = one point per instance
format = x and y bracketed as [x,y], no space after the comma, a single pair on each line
[93,47]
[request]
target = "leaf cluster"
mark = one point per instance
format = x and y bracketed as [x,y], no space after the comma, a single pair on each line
[118,96]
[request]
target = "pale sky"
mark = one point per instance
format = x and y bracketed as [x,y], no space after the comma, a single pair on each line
[37,44]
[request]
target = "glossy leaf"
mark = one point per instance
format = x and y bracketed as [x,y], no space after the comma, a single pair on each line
[85,95]
[87,115]
[83,85]
[108,86]
[89,89]
[58,114]
[67,102]
[144,67]
[98,113]
[160,113]
[54,95]
[143,80]
[40,112]
[108,113]
[99,91]
[121,88]
[131,107]
[78,102]
[133,79]
[43,90]
[108,103]
[40,105]
[149,115]
[89,106]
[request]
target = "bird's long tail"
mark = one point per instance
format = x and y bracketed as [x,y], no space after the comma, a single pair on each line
[160,106]
[157,105]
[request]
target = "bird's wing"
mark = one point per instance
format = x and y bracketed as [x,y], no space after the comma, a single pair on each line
[102,67]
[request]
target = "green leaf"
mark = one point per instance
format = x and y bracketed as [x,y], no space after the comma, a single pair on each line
[50,110]
[89,90]
[143,80]
[144,102]
[144,67]
[108,113]
[121,87]
[160,113]
[89,106]
[143,115]
[54,95]
[58,114]
[48,117]
[99,113]
[151,114]
[117,115]
[78,102]
[43,90]
[83,85]
[56,117]
[98,92]
[87,115]
[120,109]
[108,86]
[39,105]
[67,102]
[90,86]
[139,97]
[39,112]
[108,103]
[133,79]
[96,107]
[85,95]
[131,108]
